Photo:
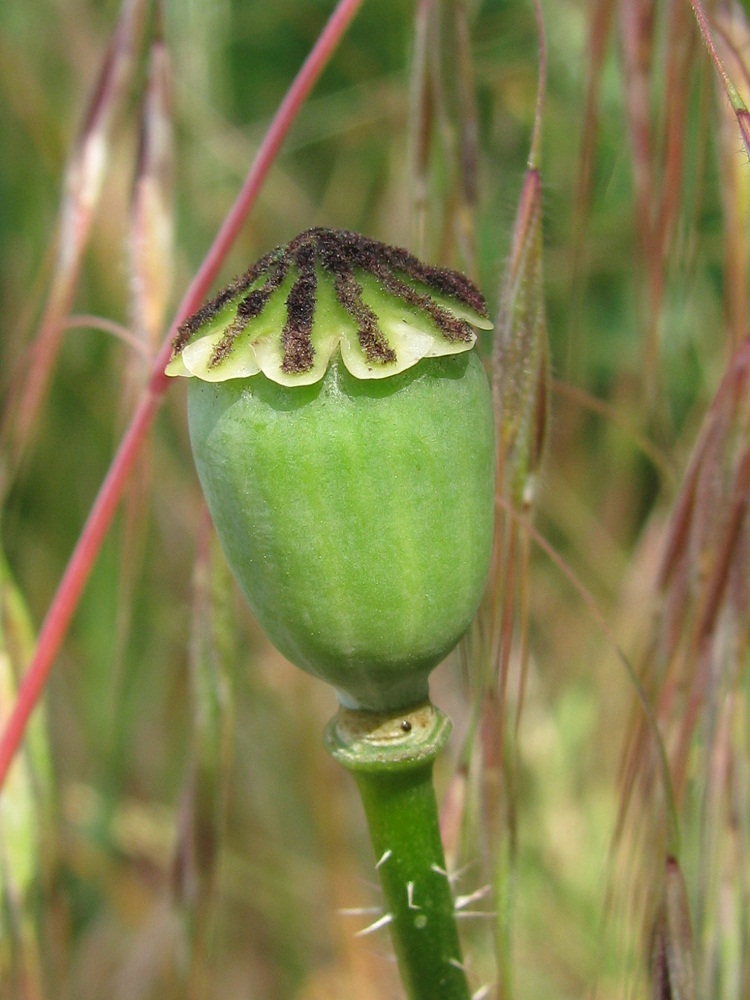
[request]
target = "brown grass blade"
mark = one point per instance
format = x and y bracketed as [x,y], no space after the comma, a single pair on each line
[467,127]
[443,121]
[732,39]
[666,199]
[151,217]
[657,145]
[637,23]
[601,18]
[673,976]
[696,653]
[204,800]
[81,188]
[520,384]
[421,121]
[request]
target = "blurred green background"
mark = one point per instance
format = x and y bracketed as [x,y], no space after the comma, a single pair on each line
[195,840]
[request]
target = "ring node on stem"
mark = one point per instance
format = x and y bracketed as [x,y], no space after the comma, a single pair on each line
[391,755]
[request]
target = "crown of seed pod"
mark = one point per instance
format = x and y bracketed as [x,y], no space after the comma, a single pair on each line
[342,429]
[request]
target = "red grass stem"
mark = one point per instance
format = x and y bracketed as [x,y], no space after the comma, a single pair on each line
[65,601]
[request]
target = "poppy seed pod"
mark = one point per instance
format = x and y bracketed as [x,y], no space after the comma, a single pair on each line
[342,429]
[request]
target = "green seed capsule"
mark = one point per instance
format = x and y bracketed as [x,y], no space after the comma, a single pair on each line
[356,512]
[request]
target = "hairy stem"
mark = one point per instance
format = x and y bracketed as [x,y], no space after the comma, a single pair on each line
[391,758]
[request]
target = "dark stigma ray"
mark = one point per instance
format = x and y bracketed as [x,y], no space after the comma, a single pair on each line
[296,337]
[454,329]
[371,339]
[443,280]
[248,309]
[210,309]
[376,258]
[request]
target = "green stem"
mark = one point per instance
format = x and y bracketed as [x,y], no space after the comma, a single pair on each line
[391,758]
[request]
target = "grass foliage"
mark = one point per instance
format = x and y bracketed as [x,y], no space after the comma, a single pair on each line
[172,827]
